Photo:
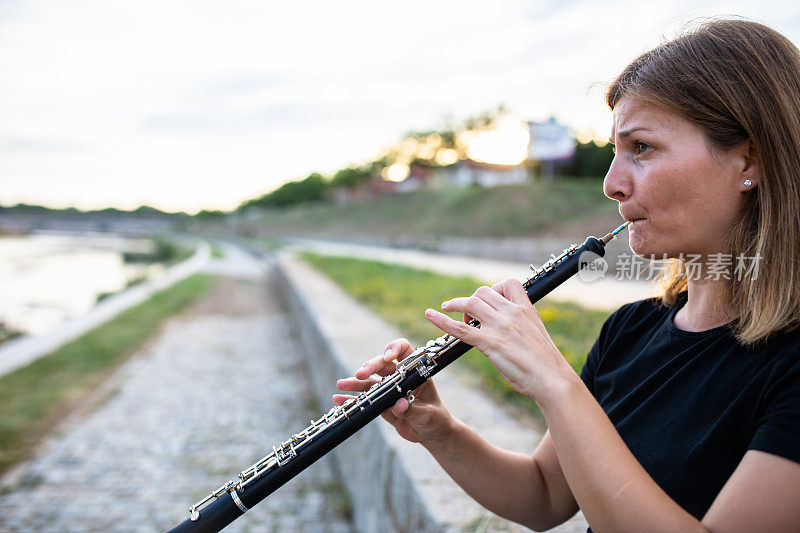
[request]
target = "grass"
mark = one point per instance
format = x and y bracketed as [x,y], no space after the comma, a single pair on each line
[400,295]
[7,333]
[268,243]
[34,398]
[165,250]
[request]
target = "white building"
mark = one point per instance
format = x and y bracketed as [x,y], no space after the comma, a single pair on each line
[468,172]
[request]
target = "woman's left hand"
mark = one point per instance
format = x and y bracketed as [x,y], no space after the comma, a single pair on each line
[511,335]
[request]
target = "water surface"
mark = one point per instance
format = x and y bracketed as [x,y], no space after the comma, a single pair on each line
[46,279]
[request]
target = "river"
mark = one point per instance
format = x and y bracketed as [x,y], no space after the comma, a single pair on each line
[46,279]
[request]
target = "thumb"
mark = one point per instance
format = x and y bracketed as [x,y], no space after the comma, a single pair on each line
[401,408]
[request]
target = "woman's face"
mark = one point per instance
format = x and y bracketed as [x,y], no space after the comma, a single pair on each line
[681,194]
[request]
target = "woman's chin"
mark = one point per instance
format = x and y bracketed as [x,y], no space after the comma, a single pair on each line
[643,247]
[651,253]
[637,245]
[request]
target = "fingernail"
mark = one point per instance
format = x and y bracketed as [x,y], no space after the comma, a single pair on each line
[429,313]
[387,353]
[445,303]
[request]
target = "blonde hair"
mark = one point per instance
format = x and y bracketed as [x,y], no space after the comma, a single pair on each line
[738,80]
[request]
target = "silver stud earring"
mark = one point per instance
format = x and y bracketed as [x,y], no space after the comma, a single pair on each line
[747,183]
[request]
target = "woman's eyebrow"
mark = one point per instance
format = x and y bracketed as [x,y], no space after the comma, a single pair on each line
[627,133]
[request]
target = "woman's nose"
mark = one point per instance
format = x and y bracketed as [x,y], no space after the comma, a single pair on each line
[617,184]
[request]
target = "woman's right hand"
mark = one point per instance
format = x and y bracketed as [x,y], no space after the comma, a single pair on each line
[427,420]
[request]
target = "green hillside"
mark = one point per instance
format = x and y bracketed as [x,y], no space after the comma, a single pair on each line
[518,210]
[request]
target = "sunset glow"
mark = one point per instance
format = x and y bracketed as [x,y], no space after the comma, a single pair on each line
[396,172]
[446,157]
[507,144]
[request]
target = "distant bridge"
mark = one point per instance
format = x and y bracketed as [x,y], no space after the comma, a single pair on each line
[130,225]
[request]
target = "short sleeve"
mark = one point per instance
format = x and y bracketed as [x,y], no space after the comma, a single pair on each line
[596,352]
[589,367]
[778,430]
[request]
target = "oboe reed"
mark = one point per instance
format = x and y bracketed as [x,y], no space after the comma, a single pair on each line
[608,236]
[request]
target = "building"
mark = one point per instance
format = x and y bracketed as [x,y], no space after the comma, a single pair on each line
[468,172]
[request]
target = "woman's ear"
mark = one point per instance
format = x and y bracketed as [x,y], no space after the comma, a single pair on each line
[747,167]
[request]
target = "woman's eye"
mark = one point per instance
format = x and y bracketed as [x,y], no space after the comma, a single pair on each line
[640,147]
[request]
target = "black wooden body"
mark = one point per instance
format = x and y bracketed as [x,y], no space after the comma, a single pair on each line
[223,510]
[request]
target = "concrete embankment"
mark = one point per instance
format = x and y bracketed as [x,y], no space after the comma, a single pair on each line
[395,485]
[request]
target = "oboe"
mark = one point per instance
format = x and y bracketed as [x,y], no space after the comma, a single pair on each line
[289,458]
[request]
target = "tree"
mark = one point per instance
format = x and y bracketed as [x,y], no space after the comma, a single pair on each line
[208,214]
[590,160]
[310,189]
[350,177]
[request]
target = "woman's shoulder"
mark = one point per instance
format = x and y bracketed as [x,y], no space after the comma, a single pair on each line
[641,313]
[632,320]
[783,349]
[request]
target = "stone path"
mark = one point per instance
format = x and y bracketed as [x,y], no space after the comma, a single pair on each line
[202,402]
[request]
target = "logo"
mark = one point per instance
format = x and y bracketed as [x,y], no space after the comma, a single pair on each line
[591,267]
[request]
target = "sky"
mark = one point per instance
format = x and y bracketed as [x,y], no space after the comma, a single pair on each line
[197,104]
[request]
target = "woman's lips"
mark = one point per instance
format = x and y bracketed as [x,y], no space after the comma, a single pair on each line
[635,223]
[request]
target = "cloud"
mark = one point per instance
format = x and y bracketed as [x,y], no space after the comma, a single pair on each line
[196,103]
[38,145]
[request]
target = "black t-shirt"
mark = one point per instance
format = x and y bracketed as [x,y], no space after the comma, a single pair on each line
[690,404]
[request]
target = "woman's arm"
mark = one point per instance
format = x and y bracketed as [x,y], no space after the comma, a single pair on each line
[613,490]
[527,489]
[617,494]
[762,494]
[530,490]
[611,487]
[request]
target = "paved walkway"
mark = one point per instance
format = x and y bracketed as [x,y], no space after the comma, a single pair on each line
[236,261]
[201,403]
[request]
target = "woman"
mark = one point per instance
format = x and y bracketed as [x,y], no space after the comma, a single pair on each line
[686,416]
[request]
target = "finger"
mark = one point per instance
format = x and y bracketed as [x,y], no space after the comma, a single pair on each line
[401,408]
[495,299]
[376,365]
[426,392]
[384,365]
[389,417]
[355,385]
[398,349]
[512,289]
[339,399]
[472,306]
[460,330]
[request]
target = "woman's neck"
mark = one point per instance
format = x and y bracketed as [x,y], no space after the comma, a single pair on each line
[705,307]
